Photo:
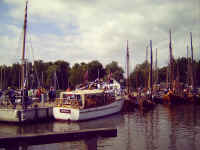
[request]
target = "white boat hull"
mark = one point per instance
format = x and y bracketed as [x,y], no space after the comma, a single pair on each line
[63,113]
[31,114]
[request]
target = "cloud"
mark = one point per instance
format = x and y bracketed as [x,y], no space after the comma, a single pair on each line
[85,30]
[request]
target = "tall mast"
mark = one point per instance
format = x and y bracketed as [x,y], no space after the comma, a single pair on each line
[42,79]
[55,80]
[23,48]
[127,69]
[167,77]
[151,80]
[147,69]
[192,63]
[171,60]
[188,67]
[177,72]
[156,67]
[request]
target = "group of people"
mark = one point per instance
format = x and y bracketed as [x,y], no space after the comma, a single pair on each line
[28,95]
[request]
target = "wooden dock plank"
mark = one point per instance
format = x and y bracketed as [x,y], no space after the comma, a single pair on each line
[56,137]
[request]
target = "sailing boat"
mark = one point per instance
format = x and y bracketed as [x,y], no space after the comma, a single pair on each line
[191,92]
[24,114]
[172,96]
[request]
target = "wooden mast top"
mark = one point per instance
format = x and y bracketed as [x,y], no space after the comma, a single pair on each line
[171,60]
[192,64]
[151,71]
[127,59]
[24,46]
[156,67]
[146,69]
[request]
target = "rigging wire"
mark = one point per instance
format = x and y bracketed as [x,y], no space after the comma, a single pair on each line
[18,49]
[32,51]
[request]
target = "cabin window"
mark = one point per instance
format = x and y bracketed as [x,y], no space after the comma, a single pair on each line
[94,100]
[68,96]
[78,98]
[70,99]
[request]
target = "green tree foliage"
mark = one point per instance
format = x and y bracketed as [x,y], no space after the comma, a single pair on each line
[162,74]
[42,73]
[115,69]
[76,74]
[140,75]
[50,75]
[63,73]
[16,74]
[95,69]
[181,69]
[39,69]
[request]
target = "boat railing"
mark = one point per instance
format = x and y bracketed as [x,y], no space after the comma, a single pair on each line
[64,102]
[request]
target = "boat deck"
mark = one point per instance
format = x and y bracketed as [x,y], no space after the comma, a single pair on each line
[19,106]
[34,112]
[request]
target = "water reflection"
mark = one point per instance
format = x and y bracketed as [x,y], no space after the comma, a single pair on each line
[165,127]
[14,129]
[185,126]
[107,122]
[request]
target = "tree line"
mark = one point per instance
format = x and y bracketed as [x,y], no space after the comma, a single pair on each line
[58,74]
[181,72]
[61,75]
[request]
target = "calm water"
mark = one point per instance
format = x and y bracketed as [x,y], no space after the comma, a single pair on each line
[166,128]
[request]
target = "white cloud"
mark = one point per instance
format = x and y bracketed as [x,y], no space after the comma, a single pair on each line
[98,29]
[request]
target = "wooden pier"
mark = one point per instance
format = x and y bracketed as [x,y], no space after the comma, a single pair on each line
[14,142]
[19,115]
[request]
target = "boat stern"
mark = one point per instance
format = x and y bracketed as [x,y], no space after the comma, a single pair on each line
[63,113]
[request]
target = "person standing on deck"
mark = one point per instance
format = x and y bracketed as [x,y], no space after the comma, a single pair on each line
[11,95]
[30,92]
[26,97]
[52,95]
[38,94]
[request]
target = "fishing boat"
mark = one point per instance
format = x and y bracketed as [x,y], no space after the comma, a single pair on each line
[89,103]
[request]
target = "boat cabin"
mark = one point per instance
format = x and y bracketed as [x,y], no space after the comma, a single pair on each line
[83,99]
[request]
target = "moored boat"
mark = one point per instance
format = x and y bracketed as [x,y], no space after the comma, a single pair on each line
[87,104]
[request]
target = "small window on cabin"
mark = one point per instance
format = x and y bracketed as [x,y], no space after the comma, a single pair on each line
[78,97]
[68,97]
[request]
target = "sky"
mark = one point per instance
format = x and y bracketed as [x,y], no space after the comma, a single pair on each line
[85,30]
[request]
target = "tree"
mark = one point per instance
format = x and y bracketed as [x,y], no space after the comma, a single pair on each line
[63,73]
[38,69]
[117,72]
[50,75]
[95,70]
[42,73]
[139,76]
[16,74]
[76,74]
